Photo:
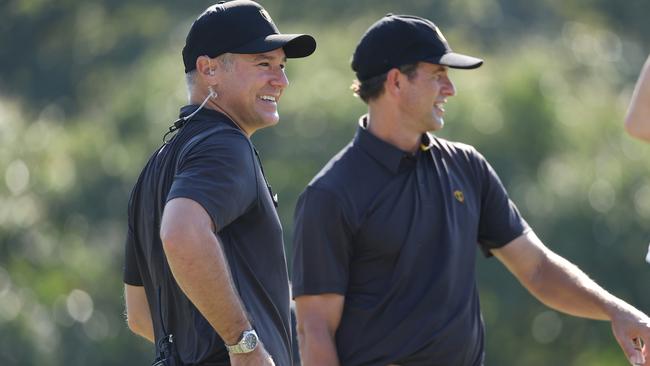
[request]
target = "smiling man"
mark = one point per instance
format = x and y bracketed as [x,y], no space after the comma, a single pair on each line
[205,274]
[386,234]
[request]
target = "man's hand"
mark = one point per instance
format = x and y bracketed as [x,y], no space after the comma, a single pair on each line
[628,325]
[259,357]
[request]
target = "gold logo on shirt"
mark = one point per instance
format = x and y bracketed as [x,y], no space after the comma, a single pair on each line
[460,197]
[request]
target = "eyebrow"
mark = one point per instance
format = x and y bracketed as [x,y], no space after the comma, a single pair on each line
[263,57]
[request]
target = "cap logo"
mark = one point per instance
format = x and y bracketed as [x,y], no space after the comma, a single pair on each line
[266,15]
[460,197]
[439,33]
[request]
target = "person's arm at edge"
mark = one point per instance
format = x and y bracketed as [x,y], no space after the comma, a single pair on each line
[637,121]
[562,286]
[138,316]
[318,317]
[201,270]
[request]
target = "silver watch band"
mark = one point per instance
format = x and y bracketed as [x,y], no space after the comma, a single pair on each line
[235,348]
[247,343]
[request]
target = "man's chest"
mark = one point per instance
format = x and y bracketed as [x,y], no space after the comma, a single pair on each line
[432,206]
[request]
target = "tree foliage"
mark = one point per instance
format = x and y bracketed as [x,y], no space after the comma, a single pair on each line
[87,89]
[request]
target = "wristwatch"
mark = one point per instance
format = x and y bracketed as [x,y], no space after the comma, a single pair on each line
[247,343]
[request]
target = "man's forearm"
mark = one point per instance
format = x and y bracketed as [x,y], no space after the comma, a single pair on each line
[201,270]
[317,348]
[146,333]
[138,316]
[564,287]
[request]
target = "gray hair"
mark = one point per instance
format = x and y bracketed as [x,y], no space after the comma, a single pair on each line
[190,80]
[225,60]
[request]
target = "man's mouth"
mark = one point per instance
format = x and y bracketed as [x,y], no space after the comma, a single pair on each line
[269,98]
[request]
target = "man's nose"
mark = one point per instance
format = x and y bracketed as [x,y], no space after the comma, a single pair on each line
[280,79]
[448,88]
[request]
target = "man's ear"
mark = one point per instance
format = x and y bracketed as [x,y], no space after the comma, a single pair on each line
[206,67]
[394,82]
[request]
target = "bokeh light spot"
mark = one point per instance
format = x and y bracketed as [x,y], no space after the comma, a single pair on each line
[546,327]
[17,177]
[602,196]
[80,305]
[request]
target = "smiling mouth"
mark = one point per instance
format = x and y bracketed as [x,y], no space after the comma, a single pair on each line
[269,98]
[440,106]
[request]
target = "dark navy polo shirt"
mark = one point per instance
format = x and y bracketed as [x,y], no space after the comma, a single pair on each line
[396,234]
[223,174]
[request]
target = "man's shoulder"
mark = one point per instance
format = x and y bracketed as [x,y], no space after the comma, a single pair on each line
[341,170]
[455,149]
[351,178]
[224,134]
[221,140]
[453,146]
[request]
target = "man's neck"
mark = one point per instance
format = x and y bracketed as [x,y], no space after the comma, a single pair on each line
[212,103]
[388,126]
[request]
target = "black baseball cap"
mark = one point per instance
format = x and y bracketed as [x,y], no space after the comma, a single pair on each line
[240,26]
[397,40]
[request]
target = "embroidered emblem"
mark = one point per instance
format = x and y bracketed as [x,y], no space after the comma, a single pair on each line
[266,15]
[460,197]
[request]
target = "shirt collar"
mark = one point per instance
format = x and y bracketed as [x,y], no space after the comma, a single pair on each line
[386,154]
[205,114]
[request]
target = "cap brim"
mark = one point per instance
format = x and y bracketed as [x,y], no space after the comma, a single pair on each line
[459,61]
[294,45]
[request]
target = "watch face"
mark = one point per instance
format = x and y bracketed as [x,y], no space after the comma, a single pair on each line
[249,342]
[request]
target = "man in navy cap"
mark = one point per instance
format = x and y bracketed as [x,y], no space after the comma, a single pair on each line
[386,234]
[205,271]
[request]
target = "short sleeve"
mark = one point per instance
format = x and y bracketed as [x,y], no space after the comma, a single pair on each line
[220,174]
[500,220]
[322,245]
[131,269]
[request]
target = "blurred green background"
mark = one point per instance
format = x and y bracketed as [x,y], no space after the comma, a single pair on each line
[88,88]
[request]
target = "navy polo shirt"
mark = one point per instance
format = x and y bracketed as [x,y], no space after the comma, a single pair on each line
[396,234]
[222,173]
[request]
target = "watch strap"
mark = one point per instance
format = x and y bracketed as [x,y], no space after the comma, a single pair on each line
[235,348]
[241,346]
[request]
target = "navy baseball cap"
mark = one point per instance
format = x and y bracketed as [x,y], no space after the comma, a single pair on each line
[240,26]
[397,40]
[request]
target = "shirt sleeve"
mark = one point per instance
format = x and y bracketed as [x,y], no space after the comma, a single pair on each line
[220,174]
[131,271]
[500,221]
[322,245]
[131,274]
